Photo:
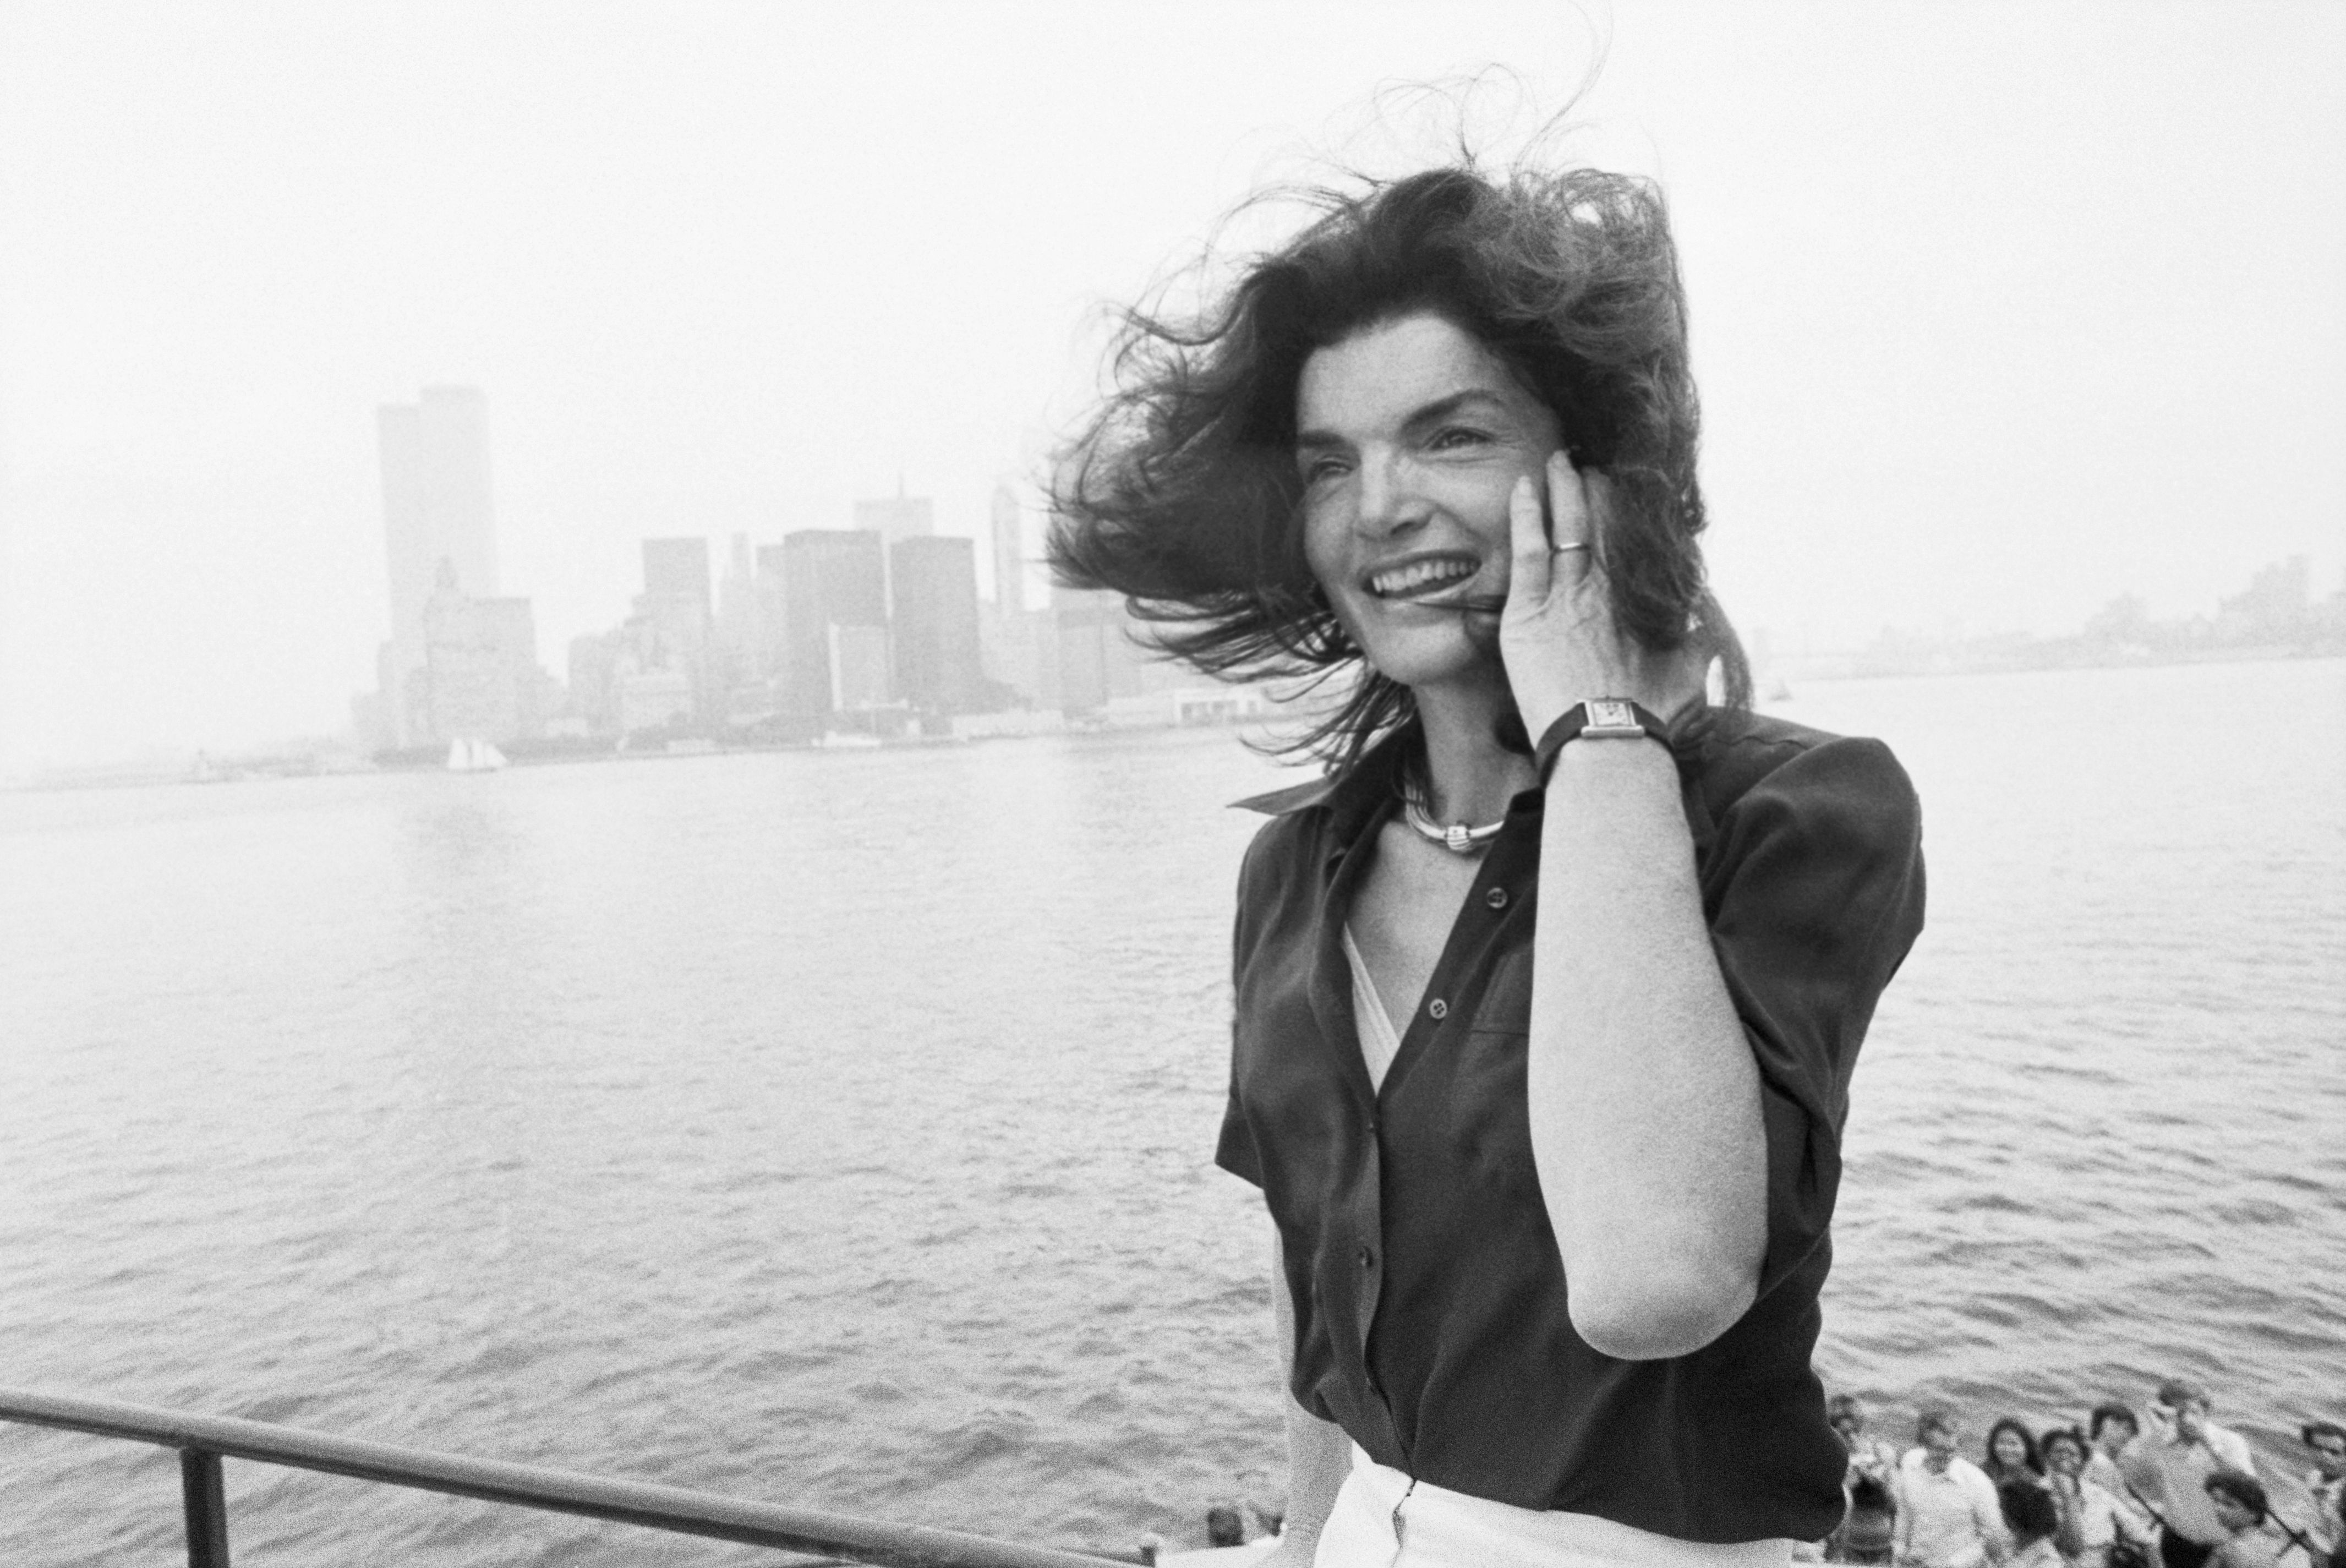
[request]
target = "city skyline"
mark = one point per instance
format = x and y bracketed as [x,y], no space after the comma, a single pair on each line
[882,627]
[1989,332]
[881,631]
[436,457]
[827,635]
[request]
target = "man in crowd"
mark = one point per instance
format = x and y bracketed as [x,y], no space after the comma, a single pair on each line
[2183,1406]
[2170,1468]
[2113,1429]
[1948,1513]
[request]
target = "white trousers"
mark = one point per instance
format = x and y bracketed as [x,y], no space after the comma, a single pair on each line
[1384,1519]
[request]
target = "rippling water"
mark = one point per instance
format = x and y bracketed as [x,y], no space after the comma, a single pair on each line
[836,1129]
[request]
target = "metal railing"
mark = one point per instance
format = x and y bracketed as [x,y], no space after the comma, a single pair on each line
[203,1441]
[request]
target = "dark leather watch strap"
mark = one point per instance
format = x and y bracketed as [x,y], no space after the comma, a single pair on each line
[1599,718]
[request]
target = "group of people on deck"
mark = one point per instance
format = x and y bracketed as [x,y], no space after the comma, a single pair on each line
[2183,1494]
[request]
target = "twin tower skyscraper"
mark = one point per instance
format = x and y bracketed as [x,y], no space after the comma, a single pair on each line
[439,532]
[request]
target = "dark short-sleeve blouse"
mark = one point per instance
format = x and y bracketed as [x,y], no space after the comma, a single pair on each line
[1430,1298]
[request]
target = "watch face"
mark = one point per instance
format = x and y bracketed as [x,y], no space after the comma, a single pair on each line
[1607,714]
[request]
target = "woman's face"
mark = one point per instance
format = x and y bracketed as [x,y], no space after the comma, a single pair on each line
[1410,435]
[2065,1457]
[2006,1448]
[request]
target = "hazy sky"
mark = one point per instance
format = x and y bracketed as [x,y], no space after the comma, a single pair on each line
[1999,309]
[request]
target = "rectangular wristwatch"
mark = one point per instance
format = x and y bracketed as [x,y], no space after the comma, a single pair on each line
[1599,718]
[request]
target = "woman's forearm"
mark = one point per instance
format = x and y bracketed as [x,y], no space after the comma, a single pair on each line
[1318,1454]
[1644,1097]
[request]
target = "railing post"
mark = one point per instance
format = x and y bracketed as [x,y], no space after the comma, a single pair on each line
[207,1499]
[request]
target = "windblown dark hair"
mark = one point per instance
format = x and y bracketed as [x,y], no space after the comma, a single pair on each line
[1181,493]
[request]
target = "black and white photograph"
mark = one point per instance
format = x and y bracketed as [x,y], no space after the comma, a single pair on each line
[1299,784]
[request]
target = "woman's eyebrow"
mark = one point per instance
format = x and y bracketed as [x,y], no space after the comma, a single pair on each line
[1442,408]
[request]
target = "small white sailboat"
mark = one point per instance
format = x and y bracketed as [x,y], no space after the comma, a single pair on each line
[467,755]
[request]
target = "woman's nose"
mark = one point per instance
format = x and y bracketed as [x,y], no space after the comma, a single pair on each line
[1389,502]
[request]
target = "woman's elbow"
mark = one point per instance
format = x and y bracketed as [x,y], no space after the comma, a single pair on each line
[1649,1313]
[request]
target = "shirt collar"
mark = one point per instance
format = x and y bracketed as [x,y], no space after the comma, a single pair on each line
[1356,795]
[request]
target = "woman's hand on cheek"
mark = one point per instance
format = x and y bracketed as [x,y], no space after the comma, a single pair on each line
[1557,635]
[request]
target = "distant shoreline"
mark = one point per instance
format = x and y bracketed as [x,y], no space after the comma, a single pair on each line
[1998,659]
[1778,681]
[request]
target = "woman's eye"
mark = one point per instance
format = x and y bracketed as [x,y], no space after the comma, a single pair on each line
[1451,437]
[1316,469]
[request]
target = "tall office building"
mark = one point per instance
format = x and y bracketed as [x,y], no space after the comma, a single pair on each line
[934,585]
[1018,641]
[737,615]
[773,631]
[860,677]
[1098,659]
[1009,553]
[672,626]
[900,516]
[830,577]
[437,516]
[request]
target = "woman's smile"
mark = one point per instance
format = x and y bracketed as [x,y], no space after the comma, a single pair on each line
[1424,576]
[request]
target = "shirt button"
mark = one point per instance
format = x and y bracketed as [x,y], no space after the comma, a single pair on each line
[1368,1259]
[1439,1008]
[1496,898]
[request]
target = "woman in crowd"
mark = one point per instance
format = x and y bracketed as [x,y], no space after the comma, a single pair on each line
[2012,1454]
[2093,1519]
[1559,974]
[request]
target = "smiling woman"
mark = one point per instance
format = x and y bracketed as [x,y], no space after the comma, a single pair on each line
[1541,1051]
